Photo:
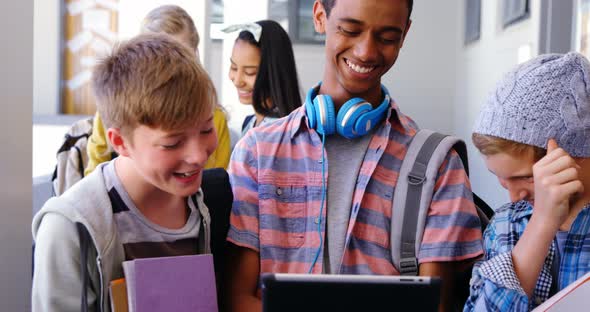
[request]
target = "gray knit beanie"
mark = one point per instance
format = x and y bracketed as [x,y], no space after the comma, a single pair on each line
[546,97]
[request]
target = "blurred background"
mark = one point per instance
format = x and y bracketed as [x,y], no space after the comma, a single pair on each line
[452,57]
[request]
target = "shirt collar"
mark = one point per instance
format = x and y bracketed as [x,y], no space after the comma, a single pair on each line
[522,209]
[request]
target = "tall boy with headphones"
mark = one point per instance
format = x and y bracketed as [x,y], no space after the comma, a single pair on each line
[313,191]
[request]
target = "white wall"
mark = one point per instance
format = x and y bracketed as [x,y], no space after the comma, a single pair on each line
[46,56]
[16,102]
[215,66]
[422,81]
[479,66]
[310,60]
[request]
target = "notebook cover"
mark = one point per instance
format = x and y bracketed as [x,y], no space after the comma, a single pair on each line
[572,298]
[129,271]
[182,283]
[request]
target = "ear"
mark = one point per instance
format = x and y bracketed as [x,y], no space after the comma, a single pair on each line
[319,17]
[406,32]
[118,141]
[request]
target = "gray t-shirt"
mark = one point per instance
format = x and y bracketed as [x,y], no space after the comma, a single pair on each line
[345,157]
[142,238]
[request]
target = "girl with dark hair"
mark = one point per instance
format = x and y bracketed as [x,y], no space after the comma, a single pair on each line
[263,71]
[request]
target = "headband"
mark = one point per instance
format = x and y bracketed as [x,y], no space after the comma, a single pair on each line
[253,28]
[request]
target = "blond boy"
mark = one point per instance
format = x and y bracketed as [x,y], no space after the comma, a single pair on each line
[534,134]
[175,21]
[157,104]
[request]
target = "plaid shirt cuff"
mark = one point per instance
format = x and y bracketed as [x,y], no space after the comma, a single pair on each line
[500,270]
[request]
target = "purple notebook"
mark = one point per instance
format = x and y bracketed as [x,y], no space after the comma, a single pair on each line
[183,283]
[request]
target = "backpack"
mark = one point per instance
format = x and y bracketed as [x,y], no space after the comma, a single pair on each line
[71,156]
[414,191]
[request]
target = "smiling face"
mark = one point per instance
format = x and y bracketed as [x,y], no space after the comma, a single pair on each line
[170,162]
[363,40]
[245,60]
[515,174]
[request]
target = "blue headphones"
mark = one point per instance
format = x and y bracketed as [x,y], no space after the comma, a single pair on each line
[355,118]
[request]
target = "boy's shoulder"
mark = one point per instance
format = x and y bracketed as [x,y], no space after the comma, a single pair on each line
[511,217]
[514,210]
[276,128]
[86,202]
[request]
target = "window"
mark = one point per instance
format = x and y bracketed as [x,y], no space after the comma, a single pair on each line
[514,11]
[472,20]
[582,39]
[296,16]
[303,29]
[217,19]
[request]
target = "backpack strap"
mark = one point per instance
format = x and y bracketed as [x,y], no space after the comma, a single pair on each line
[407,206]
[71,156]
[85,243]
[218,196]
[247,121]
[484,211]
[413,194]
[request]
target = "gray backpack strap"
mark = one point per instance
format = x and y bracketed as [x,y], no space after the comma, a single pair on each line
[413,194]
[85,245]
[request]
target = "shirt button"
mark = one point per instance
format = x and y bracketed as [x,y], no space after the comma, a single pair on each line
[279,191]
[317,221]
[538,300]
[320,161]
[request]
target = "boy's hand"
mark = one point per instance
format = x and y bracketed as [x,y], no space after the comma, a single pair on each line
[556,179]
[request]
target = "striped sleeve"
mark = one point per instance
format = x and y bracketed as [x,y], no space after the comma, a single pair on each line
[243,174]
[452,231]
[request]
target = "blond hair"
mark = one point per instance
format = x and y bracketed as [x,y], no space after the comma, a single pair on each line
[173,20]
[152,80]
[491,145]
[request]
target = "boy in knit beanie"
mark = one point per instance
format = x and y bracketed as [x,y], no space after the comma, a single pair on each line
[534,134]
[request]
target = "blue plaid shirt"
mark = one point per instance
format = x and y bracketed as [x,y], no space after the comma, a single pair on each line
[494,285]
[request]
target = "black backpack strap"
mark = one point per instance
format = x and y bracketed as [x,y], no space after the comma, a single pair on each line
[246,121]
[85,243]
[218,197]
[484,211]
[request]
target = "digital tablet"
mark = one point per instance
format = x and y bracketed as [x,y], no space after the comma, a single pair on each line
[319,292]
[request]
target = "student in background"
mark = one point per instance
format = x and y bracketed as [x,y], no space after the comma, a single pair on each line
[175,21]
[157,104]
[534,134]
[263,71]
[313,191]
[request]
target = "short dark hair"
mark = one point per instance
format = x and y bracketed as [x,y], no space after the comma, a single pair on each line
[276,79]
[329,4]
